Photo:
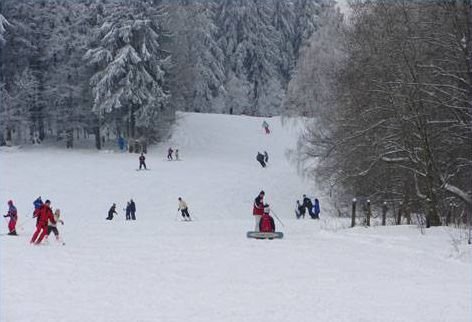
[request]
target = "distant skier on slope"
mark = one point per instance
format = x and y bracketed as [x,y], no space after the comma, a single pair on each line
[258,209]
[266,157]
[132,209]
[111,211]
[45,215]
[13,214]
[265,125]
[260,159]
[184,209]
[176,154]
[267,224]
[316,209]
[142,162]
[169,154]
[307,203]
[128,211]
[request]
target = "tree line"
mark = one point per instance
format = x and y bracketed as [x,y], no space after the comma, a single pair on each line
[108,68]
[391,92]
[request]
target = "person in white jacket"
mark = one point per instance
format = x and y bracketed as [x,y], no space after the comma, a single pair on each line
[184,209]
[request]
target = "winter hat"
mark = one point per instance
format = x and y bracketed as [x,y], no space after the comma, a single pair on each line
[262,192]
[48,201]
[10,202]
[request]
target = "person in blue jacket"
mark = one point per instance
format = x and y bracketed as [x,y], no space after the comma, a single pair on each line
[316,209]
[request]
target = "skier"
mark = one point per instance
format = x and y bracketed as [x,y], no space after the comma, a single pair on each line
[266,157]
[111,212]
[141,162]
[52,226]
[176,154]
[169,154]
[37,204]
[267,223]
[184,209]
[13,214]
[258,209]
[265,125]
[45,215]
[260,158]
[316,209]
[308,205]
[128,211]
[121,143]
[300,210]
[132,209]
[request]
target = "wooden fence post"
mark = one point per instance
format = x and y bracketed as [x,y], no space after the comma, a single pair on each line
[384,213]
[369,213]
[353,217]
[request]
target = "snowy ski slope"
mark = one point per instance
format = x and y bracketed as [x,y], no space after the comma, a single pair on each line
[161,269]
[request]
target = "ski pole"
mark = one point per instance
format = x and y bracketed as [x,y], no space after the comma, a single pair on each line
[275,215]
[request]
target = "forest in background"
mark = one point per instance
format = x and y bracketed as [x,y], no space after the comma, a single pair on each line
[110,68]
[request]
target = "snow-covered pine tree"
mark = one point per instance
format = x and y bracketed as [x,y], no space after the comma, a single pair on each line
[198,61]
[129,83]
[250,44]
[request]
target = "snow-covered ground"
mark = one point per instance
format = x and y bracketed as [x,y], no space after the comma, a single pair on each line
[161,269]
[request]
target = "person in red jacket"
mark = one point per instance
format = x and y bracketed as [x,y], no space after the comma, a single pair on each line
[258,209]
[45,215]
[12,213]
[267,224]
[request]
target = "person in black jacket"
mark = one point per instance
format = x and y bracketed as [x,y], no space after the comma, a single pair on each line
[128,211]
[132,208]
[300,210]
[142,162]
[260,158]
[309,205]
[111,212]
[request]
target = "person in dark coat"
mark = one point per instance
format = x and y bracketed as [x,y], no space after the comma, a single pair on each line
[258,209]
[300,210]
[132,209]
[169,154]
[308,205]
[316,209]
[13,214]
[111,212]
[267,223]
[260,158]
[142,158]
[128,211]
[266,157]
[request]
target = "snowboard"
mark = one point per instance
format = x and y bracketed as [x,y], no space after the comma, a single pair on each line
[260,235]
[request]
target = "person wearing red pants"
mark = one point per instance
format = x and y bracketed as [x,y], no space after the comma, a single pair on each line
[12,213]
[45,215]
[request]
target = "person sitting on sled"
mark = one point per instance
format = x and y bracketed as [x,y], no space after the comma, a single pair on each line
[267,224]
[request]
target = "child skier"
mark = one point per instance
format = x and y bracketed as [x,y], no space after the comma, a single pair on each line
[12,213]
[52,226]
[267,223]
[265,125]
[300,210]
[184,209]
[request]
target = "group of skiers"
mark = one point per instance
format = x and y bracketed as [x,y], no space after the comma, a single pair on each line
[46,221]
[313,209]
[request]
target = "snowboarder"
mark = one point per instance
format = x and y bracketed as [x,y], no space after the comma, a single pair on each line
[45,215]
[308,205]
[13,214]
[176,154]
[258,208]
[128,211]
[266,157]
[265,125]
[142,158]
[169,154]
[111,212]
[260,158]
[184,209]
[300,210]
[316,209]
[52,226]
[132,209]
[267,223]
